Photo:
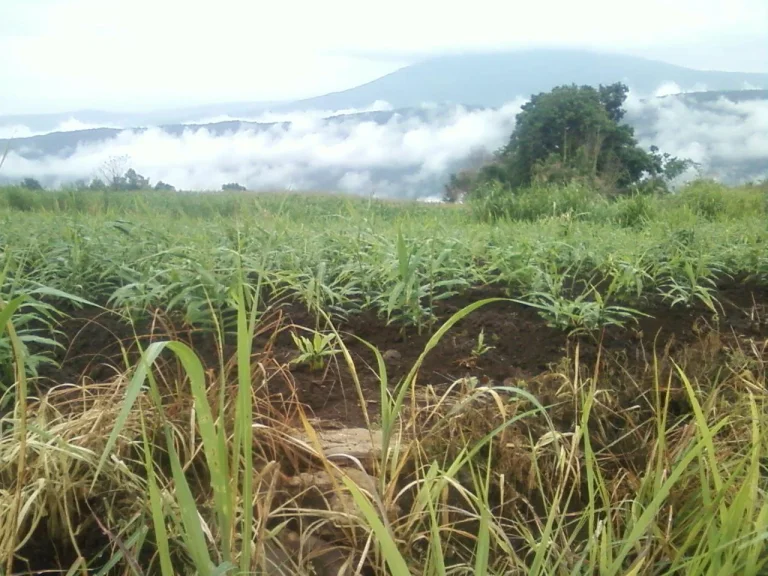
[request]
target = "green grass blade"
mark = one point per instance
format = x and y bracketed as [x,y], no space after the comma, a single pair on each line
[193,532]
[395,561]
[156,506]
[8,311]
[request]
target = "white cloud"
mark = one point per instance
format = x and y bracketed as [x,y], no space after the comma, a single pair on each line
[297,117]
[726,137]
[672,88]
[406,156]
[309,153]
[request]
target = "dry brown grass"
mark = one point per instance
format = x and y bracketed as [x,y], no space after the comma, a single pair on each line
[470,448]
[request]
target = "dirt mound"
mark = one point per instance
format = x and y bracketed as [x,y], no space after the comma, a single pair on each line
[520,345]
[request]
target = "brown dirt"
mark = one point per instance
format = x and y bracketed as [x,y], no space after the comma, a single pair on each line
[523,346]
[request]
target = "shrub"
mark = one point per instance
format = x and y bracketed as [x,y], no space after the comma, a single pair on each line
[23,199]
[705,198]
[635,211]
[492,201]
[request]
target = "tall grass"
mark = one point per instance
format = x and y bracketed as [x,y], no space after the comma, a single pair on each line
[582,470]
[451,495]
[139,252]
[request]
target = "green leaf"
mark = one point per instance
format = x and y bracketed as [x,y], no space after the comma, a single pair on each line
[395,561]
[8,310]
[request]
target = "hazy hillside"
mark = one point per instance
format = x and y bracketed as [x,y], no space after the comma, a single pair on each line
[487,80]
[399,147]
[100,118]
[65,144]
[715,95]
[496,78]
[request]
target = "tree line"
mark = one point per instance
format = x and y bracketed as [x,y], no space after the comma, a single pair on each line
[116,175]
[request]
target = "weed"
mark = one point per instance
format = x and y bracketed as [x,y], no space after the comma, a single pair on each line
[314,351]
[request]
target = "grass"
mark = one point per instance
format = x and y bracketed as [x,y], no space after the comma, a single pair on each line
[176,468]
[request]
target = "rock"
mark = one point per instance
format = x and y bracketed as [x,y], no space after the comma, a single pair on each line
[359,443]
[326,482]
[331,488]
[392,356]
[324,558]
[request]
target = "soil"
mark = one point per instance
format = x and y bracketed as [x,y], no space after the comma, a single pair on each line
[522,347]
[521,343]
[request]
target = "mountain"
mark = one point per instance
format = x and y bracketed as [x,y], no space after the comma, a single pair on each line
[408,149]
[43,123]
[736,96]
[66,143]
[491,79]
[479,79]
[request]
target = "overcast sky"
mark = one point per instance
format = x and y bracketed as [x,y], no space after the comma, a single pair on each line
[58,55]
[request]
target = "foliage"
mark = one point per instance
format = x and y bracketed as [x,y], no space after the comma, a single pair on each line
[314,350]
[191,476]
[163,187]
[31,184]
[492,201]
[117,176]
[97,184]
[233,186]
[185,469]
[635,211]
[573,134]
[569,245]
[580,126]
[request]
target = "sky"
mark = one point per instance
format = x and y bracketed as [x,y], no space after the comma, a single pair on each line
[141,55]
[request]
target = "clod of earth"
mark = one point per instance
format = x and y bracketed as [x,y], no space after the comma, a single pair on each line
[329,486]
[358,443]
[392,356]
[323,558]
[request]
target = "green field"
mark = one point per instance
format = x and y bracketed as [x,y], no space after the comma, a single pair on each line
[559,383]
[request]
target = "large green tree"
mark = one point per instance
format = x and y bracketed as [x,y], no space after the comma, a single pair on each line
[31,184]
[573,132]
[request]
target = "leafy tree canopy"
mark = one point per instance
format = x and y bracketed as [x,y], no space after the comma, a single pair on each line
[233,186]
[97,184]
[577,128]
[575,133]
[163,186]
[31,184]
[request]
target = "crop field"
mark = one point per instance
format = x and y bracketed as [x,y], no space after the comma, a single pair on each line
[550,383]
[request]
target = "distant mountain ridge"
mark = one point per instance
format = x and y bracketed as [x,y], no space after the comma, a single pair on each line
[65,143]
[491,79]
[450,85]
[478,79]
[103,118]
[715,95]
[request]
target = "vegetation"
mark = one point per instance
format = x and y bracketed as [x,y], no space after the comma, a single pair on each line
[31,184]
[202,455]
[573,134]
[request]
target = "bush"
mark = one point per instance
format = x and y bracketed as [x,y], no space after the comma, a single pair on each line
[634,211]
[713,201]
[492,201]
[706,198]
[19,198]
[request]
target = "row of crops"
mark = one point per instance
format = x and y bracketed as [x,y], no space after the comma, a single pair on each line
[581,268]
[637,465]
